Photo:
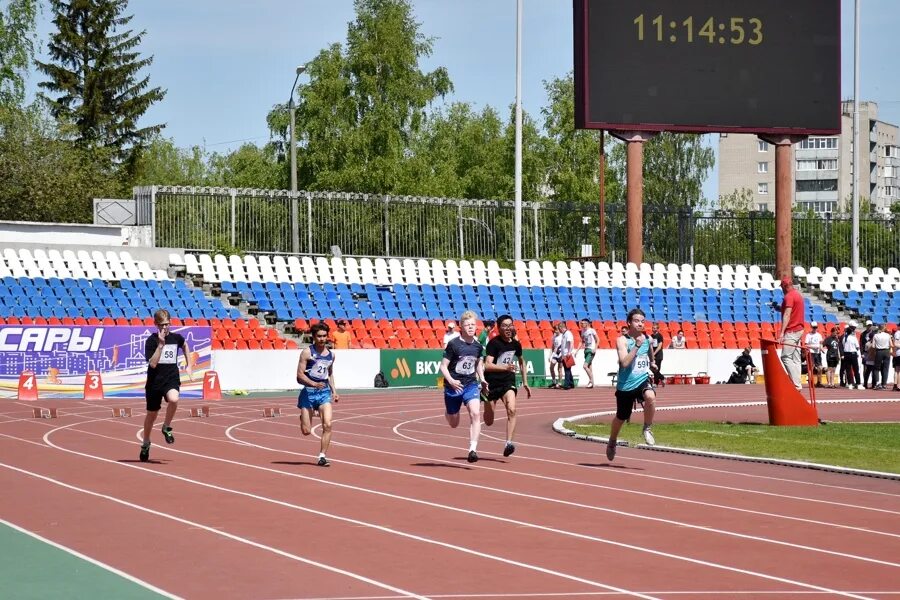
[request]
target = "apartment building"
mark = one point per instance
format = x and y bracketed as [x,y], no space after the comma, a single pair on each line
[822,166]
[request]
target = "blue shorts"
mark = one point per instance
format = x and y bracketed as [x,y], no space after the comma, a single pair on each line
[312,398]
[454,400]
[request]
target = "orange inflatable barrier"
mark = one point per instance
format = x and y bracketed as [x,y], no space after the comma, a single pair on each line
[787,406]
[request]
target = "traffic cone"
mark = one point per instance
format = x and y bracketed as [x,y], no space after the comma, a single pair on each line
[211,387]
[787,406]
[93,386]
[28,388]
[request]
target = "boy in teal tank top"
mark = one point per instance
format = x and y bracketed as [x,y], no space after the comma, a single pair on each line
[633,383]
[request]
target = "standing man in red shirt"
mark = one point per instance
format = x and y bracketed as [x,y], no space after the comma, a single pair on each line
[793,315]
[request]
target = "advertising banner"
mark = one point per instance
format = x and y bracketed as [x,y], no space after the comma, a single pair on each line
[60,356]
[422,368]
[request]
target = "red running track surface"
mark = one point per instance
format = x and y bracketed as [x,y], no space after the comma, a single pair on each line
[236,507]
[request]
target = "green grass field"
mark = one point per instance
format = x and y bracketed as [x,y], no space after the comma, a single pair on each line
[870,446]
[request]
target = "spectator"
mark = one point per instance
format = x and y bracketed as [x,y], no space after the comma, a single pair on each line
[813,341]
[485,335]
[832,346]
[744,366]
[881,343]
[567,351]
[452,333]
[656,347]
[341,339]
[793,315]
[678,341]
[850,356]
[589,341]
[895,344]
[556,355]
[865,339]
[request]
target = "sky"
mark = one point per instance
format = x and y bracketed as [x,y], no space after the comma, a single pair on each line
[225,64]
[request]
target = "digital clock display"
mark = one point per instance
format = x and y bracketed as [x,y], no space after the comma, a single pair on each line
[760,66]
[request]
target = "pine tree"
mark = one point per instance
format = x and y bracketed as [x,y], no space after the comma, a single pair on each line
[94,71]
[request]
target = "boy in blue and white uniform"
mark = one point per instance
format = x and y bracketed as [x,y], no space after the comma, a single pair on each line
[315,374]
[633,383]
[463,371]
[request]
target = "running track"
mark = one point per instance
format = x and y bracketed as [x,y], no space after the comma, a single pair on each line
[236,507]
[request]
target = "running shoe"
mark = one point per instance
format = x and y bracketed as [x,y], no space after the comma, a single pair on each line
[323,462]
[473,456]
[610,451]
[145,452]
[167,433]
[648,437]
[509,449]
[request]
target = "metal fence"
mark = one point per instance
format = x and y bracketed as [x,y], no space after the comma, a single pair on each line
[259,221]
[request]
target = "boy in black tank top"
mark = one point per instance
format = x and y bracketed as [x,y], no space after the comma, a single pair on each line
[163,377]
[503,353]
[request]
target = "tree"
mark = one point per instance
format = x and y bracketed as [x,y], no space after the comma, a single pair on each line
[17,25]
[363,105]
[95,74]
[248,167]
[162,163]
[45,177]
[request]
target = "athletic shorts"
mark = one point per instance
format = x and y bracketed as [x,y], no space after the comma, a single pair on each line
[312,398]
[625,400]
[588,357]
[454,400]
[156,394]
[832,362]
[817,358]
[496,393]
[555,358]
[897,362]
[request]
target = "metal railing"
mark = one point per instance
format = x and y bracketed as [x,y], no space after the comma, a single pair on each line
[259,221]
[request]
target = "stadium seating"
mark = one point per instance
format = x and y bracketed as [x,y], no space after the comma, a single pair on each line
[727,306]
[404,303]
[111,288]
[872,295]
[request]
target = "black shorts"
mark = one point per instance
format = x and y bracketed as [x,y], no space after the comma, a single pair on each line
[897,362]
[625,400]
[817,358]
[496,393]
[156,394]
[832,362]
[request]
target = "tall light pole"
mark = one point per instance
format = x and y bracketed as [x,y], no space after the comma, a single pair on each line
[517,210]
[295,211]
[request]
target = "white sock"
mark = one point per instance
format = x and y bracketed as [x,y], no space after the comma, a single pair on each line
[321,455]
[473,446]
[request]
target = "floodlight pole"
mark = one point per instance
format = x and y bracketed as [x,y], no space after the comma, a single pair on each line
[518,175]
[602,251]
[854,236]
[295,210]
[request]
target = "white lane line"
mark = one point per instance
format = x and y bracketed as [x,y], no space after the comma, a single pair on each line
[558,449]
[93,561]
[673,479]
[212,530]
[320,513]
[679,524]
[589,485]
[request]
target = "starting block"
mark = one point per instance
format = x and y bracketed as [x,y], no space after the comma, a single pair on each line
[45,413]
[199,411]
[272,411]
[124,411]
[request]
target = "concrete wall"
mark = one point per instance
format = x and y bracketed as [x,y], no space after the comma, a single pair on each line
[356,369]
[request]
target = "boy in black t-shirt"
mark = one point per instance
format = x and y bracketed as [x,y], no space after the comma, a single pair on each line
[503,352]
[163,378]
